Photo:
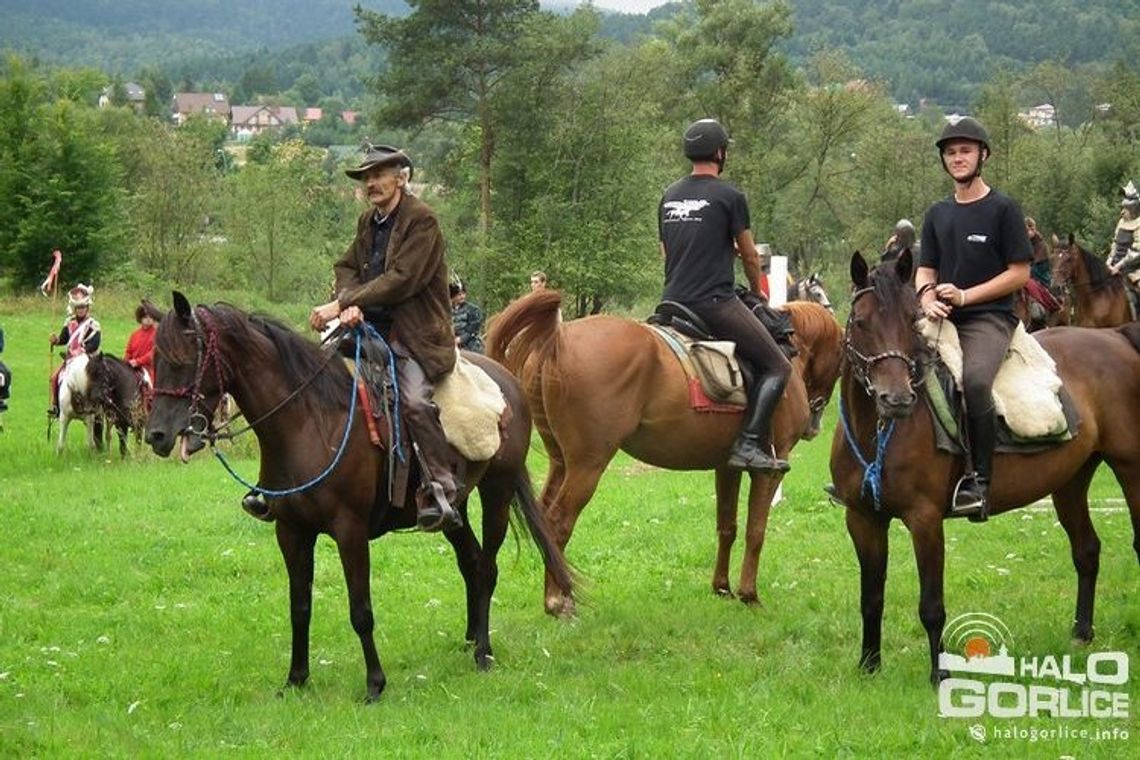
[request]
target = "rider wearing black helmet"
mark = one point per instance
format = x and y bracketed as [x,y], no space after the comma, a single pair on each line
[975,256]
[703,225]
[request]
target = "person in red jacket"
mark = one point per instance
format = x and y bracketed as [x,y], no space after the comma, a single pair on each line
[139,353]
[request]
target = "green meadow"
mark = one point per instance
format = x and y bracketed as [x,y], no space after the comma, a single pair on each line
[142,613]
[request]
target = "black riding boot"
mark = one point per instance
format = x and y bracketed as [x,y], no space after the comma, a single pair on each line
[971,497]
[748,453]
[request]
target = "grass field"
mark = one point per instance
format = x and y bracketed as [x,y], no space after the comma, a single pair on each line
[142,613]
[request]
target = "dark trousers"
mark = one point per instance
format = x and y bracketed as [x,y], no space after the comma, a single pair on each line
[985,340]
[730,319]
[422,417]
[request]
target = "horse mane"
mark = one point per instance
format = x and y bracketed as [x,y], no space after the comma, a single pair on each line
[528,326]
[813,321]
[301,361]
[1097,269]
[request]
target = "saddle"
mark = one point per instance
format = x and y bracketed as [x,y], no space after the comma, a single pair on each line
[1034,410]
[471,411]
[718,380]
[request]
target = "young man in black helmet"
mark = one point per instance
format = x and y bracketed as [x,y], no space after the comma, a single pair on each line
[394,277]
[704,225]
[975,256]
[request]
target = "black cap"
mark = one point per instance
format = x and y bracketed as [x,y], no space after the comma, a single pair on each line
[703,139]
[966,128]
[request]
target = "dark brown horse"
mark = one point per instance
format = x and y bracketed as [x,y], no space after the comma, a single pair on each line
[603,383]
[299,400]
[881,411]
[1095,297]
[115,387]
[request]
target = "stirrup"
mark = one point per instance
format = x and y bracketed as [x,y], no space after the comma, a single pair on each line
[747,454]
[433,512]
[970,499]
[833,495]
[256,507]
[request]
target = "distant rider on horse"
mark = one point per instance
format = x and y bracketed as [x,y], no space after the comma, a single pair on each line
[1124,259]
[81,334]
[704,226]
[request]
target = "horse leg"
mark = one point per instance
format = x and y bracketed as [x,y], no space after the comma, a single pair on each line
[929,553]
[297,550]
[467,551]
[352,542]
[578,485]
[869,534]
[760,495]
[495,495]
[1071,503]
[727,497]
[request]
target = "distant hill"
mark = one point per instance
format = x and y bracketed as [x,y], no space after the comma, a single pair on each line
[923,49]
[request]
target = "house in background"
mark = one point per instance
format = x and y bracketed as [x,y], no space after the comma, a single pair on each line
[247,121]
[312,116]
[214,105]
[135,94]
[1040,116]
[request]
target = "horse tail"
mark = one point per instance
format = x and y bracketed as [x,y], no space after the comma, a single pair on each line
[527,507]
[529,326]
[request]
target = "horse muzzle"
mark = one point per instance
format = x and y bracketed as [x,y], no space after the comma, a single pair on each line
[895,405]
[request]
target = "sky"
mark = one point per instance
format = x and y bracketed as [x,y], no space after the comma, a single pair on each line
[628,6]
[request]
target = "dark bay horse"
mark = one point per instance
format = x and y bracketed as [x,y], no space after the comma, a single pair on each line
[604,383]
[115,387]
[298,399]
[1095,297]
[879,395]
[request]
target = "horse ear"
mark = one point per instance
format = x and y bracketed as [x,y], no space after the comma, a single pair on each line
[1072,239]
[1056,240]
[858,270]
[904,265]
[181,306]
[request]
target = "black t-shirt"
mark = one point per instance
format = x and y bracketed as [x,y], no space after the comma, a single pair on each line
[698,219]
[969,243]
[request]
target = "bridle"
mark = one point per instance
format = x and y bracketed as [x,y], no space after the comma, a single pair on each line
[862,365]
[208,356]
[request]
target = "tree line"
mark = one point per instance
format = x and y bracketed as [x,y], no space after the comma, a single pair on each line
[544,144]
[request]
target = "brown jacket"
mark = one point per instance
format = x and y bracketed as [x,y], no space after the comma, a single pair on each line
[413,284]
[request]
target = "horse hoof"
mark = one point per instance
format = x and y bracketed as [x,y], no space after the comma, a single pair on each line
[561,607]
[937,676]
[724,592]
[483,663]
[750,599]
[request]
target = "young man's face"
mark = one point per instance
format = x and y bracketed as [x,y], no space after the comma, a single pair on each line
[537,283]
[961,159]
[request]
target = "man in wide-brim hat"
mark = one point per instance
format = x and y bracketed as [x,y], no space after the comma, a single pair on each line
[394,277]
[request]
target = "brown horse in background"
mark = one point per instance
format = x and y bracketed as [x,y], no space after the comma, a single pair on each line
[879,396]
[1096,297]
[327,475]
[604,383]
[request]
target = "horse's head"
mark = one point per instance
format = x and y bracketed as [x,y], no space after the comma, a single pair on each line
[1065,257]
[190,375]
[817,293]
[881,346]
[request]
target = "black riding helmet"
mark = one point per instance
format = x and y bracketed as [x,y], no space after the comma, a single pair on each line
[966,128]
[703,139]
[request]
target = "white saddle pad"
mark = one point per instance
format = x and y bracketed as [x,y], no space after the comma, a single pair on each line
[470,406]
[1027,385]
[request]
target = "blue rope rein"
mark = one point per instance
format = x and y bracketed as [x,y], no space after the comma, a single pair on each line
[872,471]
[358,332]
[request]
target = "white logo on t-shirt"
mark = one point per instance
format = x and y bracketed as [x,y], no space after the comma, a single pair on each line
[680,210]
[976,238]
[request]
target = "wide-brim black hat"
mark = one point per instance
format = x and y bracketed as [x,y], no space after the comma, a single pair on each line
[380,155]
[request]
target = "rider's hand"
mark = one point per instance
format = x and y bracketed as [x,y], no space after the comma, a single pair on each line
[351,316]
[321,315]
[1114,269]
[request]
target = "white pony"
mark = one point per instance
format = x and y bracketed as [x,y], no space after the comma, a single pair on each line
[74,403]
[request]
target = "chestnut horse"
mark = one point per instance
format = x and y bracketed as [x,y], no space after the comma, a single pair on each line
[604,383]
[1096,297]
[880,410]
[300,401]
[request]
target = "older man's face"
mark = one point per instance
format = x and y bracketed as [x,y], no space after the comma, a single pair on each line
[383,184]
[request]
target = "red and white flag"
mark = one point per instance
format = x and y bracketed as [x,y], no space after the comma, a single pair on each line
[48,285]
